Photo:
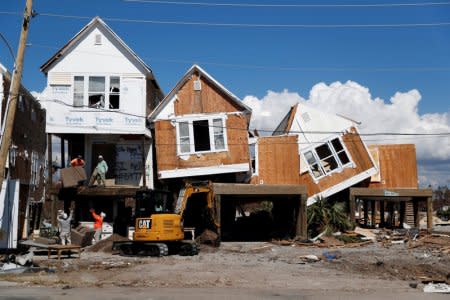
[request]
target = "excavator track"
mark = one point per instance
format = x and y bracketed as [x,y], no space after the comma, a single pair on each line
[142,249]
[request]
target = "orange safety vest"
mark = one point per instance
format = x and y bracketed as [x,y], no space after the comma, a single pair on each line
[77,162]
[98,221]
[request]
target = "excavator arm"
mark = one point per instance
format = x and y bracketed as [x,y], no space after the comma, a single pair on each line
[195,187]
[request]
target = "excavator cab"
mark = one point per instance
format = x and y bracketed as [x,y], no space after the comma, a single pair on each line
[154,222]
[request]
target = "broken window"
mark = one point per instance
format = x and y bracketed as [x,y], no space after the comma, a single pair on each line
[327,158]
[219,140]
[183,134]
[96,91]
[114,92]
[201,135]
[78,91]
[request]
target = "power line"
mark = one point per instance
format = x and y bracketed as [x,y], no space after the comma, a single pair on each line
[443,134]
[254,25]
[262,67]
[272,5]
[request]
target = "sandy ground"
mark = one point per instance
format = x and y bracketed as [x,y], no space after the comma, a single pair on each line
[261,270]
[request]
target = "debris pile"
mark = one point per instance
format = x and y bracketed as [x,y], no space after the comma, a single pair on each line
[106,244]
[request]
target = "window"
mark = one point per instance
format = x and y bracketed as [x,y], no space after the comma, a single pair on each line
[96,92]
[219,140]
[205,135]
[183,135]
[114,92]
[78,91]
[326,158]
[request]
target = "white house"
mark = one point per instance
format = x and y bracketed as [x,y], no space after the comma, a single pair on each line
[98,95]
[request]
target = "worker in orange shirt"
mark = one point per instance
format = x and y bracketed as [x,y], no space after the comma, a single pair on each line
[98,224]
[77,161]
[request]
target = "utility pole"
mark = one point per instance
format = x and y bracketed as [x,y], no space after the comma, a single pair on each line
[14,90]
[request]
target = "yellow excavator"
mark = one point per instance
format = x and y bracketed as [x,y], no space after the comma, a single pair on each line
[159,232]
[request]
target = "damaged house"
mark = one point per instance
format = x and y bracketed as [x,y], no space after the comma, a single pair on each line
[22,194]
[332,156]
[97,97]
[201,134]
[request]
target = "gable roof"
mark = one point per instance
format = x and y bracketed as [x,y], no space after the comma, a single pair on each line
[286,123]
[184,79]
[95,22]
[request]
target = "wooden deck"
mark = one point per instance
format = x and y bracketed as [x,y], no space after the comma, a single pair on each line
[61,248]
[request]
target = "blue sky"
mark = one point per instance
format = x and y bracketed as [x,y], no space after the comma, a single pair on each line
[251,61]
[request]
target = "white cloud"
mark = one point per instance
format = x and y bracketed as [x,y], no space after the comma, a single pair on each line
[398,115]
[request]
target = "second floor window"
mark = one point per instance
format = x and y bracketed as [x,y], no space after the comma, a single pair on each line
[327,158]
[203,135]
[114,92]
[78,91]
[96,91]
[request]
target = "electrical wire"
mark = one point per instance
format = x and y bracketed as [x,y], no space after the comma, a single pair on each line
[252,25]
[262,67]
[272,5]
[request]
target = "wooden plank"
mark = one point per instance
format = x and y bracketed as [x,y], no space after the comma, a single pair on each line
[301,230]
[380,192]
[255,189]
[352,208]
[416,213]
[217,206]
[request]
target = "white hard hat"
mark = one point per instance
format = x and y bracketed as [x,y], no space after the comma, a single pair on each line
[103,214]
[64,215]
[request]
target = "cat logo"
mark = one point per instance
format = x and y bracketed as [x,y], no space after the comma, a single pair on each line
[144,223]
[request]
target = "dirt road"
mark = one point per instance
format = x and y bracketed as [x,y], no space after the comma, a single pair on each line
[248,269]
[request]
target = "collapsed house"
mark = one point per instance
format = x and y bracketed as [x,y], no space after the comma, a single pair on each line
[22,193]
[98,95]
[201,133]
[332,156]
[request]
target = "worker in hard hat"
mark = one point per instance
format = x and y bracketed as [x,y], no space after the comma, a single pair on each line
[101,169]
[98,224]
[64,227]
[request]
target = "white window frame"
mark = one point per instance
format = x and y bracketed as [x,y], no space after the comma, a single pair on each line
[190,121]
[106,92]
[341,165]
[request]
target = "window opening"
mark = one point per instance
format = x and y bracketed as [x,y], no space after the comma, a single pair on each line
[114,92]
[340,151]
[327,159]
[97,92]
[201,136]
[78,91]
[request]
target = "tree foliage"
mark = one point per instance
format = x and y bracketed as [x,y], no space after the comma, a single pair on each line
[327,216]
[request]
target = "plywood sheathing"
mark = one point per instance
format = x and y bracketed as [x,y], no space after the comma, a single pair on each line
[278,160]
[397,166]
[209,99]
